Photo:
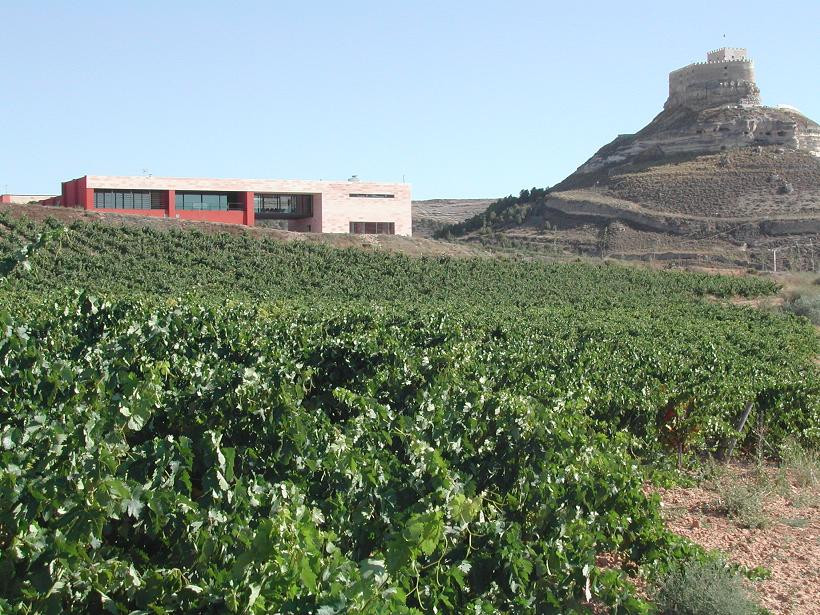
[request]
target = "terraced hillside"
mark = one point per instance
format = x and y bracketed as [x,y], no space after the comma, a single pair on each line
[736,208]
[740,183]
[432,215]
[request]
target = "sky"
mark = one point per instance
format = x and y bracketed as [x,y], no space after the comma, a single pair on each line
[466,99]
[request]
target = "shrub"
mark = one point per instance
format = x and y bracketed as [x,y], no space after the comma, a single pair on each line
[743,504]
[805,305]
[704,588]
[803,465]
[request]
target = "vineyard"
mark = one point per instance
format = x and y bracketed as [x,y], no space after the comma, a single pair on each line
[212,423]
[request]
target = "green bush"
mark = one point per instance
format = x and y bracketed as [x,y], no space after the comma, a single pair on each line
[807,306]
[698,588]
[744,504]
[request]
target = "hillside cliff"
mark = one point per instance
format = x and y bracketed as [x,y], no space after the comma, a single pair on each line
[682,130]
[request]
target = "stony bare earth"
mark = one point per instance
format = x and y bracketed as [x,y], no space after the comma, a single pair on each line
[789,546]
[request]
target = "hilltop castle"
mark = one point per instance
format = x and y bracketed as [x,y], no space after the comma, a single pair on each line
[712,106]
[727,77]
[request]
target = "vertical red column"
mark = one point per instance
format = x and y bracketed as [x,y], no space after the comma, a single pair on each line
[171,203]
[249,218]
[71,193]
[85,195]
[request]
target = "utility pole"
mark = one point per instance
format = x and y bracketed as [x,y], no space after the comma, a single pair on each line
[774,257]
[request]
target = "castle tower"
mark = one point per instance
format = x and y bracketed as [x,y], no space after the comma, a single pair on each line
[726,54]
[726,78]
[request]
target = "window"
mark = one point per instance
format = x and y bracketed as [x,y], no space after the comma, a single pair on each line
[373,228]
[126,199]
[207,201]
[363,195]
[291,205]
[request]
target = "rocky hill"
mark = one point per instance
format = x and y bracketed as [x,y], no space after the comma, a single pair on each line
[728,184]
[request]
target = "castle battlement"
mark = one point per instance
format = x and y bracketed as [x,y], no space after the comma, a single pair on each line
[726,77]
[726,53]
[740,61]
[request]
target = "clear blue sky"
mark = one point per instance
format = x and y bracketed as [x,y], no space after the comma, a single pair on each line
[463,99]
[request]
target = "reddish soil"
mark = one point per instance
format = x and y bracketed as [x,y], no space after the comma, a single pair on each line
[789,546]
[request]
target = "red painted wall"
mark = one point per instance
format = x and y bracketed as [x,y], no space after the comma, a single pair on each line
[152,213]
[75,193]
[170,201]
[249,217]
[68,193]
[228,217]
[85,195]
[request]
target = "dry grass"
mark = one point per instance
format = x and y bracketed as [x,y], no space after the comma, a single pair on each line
[737,183]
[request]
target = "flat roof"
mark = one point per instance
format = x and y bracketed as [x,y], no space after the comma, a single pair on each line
[233,184]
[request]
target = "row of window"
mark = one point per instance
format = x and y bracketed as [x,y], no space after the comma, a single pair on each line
[207,201]
[364,195]
[373,228]
[295,204]
[127,199]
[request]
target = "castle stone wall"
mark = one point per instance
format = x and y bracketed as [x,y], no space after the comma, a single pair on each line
[710,84]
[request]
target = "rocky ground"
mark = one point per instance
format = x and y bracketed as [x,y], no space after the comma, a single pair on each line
[782,534]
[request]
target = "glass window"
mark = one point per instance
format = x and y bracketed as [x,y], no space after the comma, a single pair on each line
[209,201]
[373,228]
[124,199]
[293,205]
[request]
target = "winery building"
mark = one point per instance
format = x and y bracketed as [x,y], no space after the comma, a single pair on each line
[307,206]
